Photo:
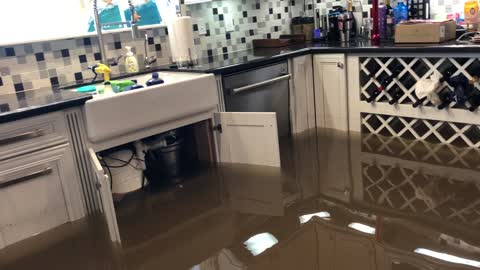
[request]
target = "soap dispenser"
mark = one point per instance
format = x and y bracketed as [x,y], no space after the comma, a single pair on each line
[131,62]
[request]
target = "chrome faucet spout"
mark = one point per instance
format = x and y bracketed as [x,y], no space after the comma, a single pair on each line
[134,23]
[148,59]
[136,34]
[98,27]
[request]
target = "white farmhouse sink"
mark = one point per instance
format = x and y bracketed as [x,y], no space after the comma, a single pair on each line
[182,95]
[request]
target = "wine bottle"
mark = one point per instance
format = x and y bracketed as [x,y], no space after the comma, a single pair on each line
[461,88]
[396,94]
[374,94]
[446,96]
[389,79]
[447,75]
[474,100]
[419,102]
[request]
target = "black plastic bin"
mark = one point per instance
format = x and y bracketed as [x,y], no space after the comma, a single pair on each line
[166,161]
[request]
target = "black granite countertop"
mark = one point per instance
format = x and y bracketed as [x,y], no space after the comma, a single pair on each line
[236,61]
[35,102]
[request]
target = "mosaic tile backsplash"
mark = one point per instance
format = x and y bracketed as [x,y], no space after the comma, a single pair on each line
[42,64]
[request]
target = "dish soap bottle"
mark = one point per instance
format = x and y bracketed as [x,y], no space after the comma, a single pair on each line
[131,63]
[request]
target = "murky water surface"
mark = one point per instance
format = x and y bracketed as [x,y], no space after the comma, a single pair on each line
[342,201]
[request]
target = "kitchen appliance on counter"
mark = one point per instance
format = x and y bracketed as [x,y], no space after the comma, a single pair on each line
[334,15]
[342,25]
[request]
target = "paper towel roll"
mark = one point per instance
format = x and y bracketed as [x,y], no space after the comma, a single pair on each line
[181,41]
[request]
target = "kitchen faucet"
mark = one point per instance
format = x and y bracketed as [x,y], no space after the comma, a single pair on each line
[98,25]
[148,60]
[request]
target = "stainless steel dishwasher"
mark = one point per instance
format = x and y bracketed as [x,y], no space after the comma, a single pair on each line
[263,89]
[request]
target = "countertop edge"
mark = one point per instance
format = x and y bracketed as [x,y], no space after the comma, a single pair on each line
[43,109]
[228,69]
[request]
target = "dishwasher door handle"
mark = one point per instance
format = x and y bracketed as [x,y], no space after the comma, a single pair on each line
[260,84]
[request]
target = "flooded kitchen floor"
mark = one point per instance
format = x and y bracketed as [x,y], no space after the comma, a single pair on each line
[353,201]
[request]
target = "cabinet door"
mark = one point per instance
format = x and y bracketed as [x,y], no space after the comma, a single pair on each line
[248,138]
[37,193]
[330,91]
[105,193]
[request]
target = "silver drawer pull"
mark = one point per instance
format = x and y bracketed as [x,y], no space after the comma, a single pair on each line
[260,84]
[22,136]
[27,177]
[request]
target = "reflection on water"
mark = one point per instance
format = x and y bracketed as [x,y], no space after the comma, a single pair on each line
[353,201]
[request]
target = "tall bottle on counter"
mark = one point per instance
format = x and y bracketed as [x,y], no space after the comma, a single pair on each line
[375,33]
[382,21]
[390,21]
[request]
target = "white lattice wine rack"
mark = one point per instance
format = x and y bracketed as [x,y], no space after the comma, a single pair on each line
[437,142]
[454,125]
[409,70]
[422,161]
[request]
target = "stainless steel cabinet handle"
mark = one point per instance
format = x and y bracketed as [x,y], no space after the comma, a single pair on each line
[260,84]
[26,177]
[22,136]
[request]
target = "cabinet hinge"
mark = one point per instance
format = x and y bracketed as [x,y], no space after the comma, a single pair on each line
[217,128]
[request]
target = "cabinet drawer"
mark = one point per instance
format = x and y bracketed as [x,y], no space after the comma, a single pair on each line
[35,194]
[32,134]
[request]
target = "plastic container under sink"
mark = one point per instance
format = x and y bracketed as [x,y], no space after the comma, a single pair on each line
[125,179]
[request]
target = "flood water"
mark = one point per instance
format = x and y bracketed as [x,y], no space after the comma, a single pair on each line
[342,201]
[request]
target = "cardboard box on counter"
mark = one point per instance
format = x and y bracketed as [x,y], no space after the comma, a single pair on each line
[425,31]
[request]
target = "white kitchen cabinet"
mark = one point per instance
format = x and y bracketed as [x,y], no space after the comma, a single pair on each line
[37,192]
[40,184]
[302,110]
[330,82]
[332,117]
